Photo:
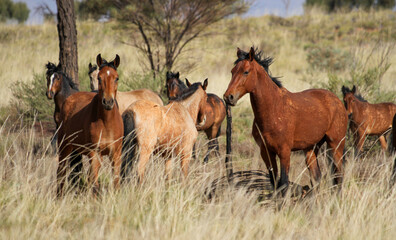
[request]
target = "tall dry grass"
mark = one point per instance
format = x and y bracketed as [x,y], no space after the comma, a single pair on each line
[177,209]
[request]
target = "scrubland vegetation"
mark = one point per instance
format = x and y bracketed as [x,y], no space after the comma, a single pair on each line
[313,50]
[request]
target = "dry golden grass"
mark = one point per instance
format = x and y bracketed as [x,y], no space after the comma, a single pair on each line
[363,209]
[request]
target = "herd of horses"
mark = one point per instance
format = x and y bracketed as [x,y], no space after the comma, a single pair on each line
[107,122]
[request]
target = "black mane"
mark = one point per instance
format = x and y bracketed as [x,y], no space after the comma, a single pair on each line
[188,92]
[264,62]
[92,69]
[52,68]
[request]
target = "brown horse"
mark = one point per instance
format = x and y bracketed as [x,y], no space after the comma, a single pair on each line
[92,126]
[124,99]
[367,119]
[214,111]
[285,121]
[59,87]
[168,129]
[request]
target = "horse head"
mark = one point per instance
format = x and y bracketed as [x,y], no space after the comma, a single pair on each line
[107,81]
[93,71]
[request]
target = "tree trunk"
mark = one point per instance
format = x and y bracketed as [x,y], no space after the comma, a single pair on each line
[67,32]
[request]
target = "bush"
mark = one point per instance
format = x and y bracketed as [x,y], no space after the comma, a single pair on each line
[326,58]
[29,100]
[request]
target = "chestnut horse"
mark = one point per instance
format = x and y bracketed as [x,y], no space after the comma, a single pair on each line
[367,119]
[92,125]
[168,129]
[285,121]
[124,99]
[214,111]
[59,87]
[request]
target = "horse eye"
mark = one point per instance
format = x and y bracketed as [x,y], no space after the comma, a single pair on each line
[116,80]
[246,73]
[99,79]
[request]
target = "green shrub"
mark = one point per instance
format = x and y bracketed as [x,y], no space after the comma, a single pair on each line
[29,100]
[326,58]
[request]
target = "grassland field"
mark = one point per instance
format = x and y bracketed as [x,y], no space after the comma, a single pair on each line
[365,208]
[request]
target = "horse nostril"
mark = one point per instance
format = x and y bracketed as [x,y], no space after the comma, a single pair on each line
[111,102]
[103,101]
[231,97]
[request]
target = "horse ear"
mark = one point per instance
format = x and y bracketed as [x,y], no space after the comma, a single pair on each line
[116,61]
[167,75]
[205,84]
[343,90]
[89,66]
[251,54]
[354,89]
[177,75]
[99,60]
[239,53]
[188,83]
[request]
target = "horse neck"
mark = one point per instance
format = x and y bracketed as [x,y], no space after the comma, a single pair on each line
[192,105]
[358,108]
[265,96]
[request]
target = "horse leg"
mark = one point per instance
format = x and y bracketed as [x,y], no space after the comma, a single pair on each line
[62,169]
[337,148]
[76,166]
[384,145]
[269,159]
[116,156]
[185,161]
[361,137]
[95,161]
[144,157]
[312,164]
[168,168]
[284,157]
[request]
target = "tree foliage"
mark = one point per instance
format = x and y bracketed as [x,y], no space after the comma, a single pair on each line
[333,5]
[9,10]
[166,27]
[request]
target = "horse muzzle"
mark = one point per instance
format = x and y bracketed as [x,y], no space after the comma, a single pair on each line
[231,99]
[108,104]
[50,94]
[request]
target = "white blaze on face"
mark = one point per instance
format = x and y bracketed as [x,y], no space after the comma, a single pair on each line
[51,81]
[108,72]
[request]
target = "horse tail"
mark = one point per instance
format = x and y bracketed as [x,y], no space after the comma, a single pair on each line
[128,143]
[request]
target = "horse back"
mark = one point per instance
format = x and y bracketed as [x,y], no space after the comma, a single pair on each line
[125,99]
[214,111]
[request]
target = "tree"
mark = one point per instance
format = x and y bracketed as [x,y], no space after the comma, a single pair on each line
[9,10]
[333,5]
[166,27]
[287,5]
[67,32]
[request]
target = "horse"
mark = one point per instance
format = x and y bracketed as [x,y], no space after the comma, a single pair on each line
[59,87]
[124,99]
[215,111]
[92,125]
[167,129]
[393,149]
[286,121]
[367,119]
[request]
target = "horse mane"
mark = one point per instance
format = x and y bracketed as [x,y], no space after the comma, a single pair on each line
[92,69]
[52,68]
[358,96]
[189,91]
[107,64]
[265,62]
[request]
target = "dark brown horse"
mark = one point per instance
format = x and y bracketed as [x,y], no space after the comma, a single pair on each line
[92,125]
[59,87]
[393,149]
[214,111]
[285,121]
[168,129]
[367,119]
